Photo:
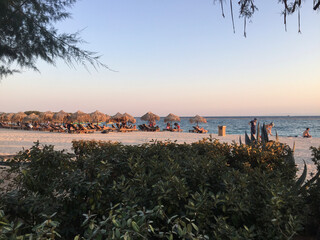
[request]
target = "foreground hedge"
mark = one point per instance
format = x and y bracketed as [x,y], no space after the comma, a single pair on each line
[161,190]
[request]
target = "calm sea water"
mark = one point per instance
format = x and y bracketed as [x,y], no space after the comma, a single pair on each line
[285,126]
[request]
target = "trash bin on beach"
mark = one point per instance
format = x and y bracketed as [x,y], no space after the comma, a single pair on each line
[221,130]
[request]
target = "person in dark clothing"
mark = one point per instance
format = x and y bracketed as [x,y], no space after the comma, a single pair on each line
[253,124]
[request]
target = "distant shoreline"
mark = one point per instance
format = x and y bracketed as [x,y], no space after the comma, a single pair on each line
[256,116]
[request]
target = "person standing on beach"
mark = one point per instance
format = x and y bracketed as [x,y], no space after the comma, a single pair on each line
[253,124]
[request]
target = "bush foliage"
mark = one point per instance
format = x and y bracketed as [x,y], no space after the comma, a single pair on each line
[159,190]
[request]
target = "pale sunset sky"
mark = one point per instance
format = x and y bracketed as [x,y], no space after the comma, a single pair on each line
[179,56]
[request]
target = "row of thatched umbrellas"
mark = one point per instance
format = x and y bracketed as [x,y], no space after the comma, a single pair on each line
[94,117]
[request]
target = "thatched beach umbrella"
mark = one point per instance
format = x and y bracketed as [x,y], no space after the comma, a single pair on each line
[108,120]
[31,118]
[98,117]
[117,118]
[60,116]
[46,116]
[172,118]
[2,116]
[80,117]
[150,117]
[18,117]
[128,118]
[198,119]
[7,117]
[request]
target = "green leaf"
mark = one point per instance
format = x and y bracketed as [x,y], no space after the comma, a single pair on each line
[117,233]
[116,223]
[129,221]
[195,227]
[303,176]
[151,228]
[247,139]
[91,226]
[135,226]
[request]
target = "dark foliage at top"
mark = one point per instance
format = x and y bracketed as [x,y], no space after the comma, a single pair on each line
[27,33]
[247,8]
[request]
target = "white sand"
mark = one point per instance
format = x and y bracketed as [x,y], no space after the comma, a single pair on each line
[12,141]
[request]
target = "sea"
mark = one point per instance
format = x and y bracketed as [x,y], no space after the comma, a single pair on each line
[287,126]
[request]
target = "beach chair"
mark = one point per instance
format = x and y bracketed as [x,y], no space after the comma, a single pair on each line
[83,129]
[71,129]
[103,127]
[105,131]
[97,127]
[55,128]
[176,130]
[90,126]
[198,130]
[154,129]
[142,127]
[62,128]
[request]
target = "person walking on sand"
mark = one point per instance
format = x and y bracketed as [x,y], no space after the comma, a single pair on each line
[306,133]
[253,124]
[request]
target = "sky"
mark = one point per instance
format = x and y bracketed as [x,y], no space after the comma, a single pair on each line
[181,57]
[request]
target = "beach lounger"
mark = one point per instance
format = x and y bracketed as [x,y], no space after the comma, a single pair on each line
[90,126]
[127,129]
[97,127]
[177,130]
[55,128]
[146,128]
[71,129]
[83,129]
[197,130]
[105,131]
[5,125]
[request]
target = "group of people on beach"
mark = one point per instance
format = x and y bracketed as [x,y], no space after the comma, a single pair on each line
[253,125]
[176,126]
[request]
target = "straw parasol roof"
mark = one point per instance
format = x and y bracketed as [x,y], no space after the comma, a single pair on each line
[108,118]
[198,119]
[151,117]
[31,118]
[172,118]
[128,118]
[18,117]
[46,116]
[117,118]
[99,117]
[2,116]
[7,117]
[80,117]
[60,116]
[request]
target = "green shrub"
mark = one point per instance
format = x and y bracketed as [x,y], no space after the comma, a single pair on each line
[161,190]
[312,198]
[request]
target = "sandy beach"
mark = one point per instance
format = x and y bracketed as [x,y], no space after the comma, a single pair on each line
[13,141]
